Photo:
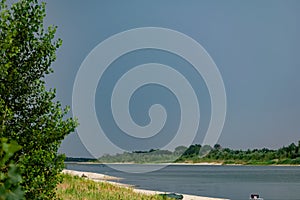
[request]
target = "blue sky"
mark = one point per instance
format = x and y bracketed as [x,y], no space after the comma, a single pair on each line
[255,45]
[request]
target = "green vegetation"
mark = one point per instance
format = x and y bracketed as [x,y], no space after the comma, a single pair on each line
[71,159]
[28,113]
[10,177]
[76,188]
[196,154]
[152,156]
[285,155]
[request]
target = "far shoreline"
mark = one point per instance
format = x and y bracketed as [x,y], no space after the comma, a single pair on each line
[187,164]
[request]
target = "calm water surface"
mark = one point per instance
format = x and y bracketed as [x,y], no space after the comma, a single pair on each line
[234,182]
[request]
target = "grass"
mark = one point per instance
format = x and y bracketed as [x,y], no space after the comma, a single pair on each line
[77,188]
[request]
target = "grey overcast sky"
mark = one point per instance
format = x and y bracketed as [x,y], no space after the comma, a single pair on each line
[255,45]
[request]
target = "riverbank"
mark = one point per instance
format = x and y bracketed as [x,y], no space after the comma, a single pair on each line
[114,181]
[131,163]
[185,163]
[79,188]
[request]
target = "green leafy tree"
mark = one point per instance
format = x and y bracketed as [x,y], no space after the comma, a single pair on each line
[10,177]
[298,149]
[29,114]
[204,150]
[217,147]
[180,150]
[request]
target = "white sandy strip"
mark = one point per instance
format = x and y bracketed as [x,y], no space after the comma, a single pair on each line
[90,175]
[105,178]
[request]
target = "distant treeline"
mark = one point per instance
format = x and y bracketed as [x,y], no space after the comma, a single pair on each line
[197,154]
[70,159]
[284,155]
[152,156]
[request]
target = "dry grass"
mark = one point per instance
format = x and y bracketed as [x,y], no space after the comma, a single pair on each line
[76,188]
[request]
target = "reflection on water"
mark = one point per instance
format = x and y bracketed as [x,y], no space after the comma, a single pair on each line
[234,182]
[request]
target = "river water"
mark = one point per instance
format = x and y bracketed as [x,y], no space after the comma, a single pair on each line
[233,182]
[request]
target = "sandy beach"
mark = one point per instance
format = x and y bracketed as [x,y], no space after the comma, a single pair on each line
[113,180]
